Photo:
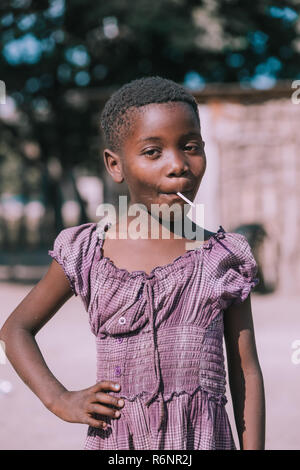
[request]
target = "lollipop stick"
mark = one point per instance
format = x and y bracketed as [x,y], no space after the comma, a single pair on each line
[186,199]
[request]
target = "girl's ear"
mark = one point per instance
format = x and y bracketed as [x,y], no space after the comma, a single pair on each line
[113,163]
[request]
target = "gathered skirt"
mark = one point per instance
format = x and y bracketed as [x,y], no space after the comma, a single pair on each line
[193,422]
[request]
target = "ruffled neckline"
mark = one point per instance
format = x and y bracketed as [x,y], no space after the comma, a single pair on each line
[162,271]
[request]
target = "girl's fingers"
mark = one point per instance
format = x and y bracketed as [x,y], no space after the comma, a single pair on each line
[95,423]
[105,385]
[103,410]
[108,399]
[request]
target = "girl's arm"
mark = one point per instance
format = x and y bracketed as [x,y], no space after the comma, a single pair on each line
[245,376]
[18,334]
[19,330]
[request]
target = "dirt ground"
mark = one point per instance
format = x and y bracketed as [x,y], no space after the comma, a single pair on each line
[69,350]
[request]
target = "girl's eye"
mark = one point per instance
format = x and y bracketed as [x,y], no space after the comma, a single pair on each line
[195,147]
[192,147]
[150,152]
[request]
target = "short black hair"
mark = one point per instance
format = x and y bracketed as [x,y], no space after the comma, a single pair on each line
[116,117]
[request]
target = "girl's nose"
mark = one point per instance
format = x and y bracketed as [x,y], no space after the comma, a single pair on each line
[177,162]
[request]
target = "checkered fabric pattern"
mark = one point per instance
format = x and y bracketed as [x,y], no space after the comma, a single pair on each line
[159,335]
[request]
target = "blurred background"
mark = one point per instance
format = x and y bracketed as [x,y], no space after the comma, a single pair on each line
[59,63]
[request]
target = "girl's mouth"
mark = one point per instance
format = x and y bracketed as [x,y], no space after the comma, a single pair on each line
[174,195]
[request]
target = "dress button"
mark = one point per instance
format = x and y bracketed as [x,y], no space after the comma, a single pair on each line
[122,320]
[120,340]
[118,371]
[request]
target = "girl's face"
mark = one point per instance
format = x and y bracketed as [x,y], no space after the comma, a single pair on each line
[163,154]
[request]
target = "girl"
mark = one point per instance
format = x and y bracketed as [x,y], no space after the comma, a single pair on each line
[158,312]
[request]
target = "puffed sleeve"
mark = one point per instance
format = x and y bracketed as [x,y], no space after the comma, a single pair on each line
[238,271]
[74,249]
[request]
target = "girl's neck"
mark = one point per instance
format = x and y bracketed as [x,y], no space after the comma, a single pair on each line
[158,225]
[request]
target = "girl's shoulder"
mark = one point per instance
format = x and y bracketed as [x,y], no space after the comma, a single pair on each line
[232,266]
[76,239]
[229,245]
[74,248]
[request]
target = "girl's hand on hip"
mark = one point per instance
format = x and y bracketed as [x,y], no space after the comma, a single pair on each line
[80,406]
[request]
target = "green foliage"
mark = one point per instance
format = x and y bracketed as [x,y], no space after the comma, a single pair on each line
[53,46]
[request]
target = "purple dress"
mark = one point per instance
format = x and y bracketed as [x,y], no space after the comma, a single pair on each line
[160,336]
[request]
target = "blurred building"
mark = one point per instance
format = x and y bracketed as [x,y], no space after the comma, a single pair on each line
[253,166]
